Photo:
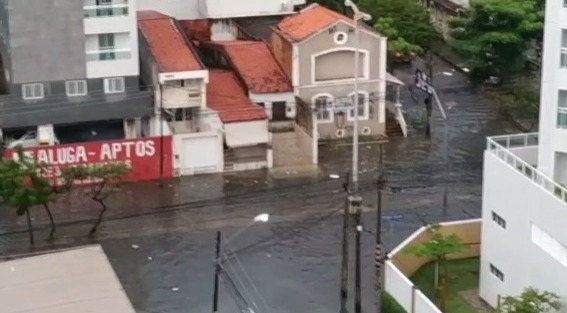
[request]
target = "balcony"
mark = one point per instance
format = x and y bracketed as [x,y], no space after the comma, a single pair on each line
[94,11]
[109,54]
[520,152]
[181,94]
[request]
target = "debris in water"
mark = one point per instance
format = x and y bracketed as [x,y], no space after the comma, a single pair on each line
[150,258]
[135,246]
[334,176]
[174,289]
[13,269]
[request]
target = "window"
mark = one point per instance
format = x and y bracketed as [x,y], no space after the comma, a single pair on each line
[549,245]
[106,10]
[323,107]
[563,62]
[76,88]
[362,106]
[114,85]
[32,91]
[499,220]
[496,272]
[562,109]
[565,3]
[340,38]
[106,46]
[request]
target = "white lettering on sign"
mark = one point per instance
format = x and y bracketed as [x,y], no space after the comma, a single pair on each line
[113,151]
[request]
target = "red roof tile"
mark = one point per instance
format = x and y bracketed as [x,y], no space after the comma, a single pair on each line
[226,96]
[309,21]
[256,65]
[166,43]
[199,30]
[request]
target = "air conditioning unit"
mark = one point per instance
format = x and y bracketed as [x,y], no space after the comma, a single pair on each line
[290,111]
[340,133]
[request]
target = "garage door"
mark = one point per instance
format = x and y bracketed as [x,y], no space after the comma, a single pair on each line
[199,155]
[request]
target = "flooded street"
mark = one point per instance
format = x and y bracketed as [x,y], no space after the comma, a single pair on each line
[162,249]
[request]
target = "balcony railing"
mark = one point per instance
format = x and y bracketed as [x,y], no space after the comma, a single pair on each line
[108,54]
[500,146]
[106,10]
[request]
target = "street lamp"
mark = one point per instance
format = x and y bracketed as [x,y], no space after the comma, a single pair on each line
[262,218]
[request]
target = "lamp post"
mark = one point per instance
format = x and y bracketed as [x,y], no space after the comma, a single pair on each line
[262,218]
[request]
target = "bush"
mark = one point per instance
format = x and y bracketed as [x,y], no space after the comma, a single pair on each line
[389,304]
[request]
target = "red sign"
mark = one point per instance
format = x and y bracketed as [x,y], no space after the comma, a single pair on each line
[142,155]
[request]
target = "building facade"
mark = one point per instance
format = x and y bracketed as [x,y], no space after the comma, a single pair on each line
[67,62]
[524,206]
[316,49]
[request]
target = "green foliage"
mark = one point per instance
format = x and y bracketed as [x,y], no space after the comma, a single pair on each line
[389,304]
[438,246]
[496,34]
[335,5]
[21,187]
[520,100]
[405,22]
[531,301]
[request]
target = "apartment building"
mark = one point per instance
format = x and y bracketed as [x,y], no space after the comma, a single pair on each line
[524,207]
[71,61]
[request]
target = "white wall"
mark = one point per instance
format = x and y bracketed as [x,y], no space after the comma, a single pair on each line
[520,202]
[180,9]
[553,79]
[198,9]
[126,28]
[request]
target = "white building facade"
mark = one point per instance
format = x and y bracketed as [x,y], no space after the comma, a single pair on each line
[524,207]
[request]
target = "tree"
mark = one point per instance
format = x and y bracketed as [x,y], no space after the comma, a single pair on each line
[531,301]
[519,101]
[335,5]
[102,180]
[496,34]
[406,23]
[437,249]
[22,188]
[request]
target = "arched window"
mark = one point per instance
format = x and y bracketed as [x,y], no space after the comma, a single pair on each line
[322,104]
[363,106]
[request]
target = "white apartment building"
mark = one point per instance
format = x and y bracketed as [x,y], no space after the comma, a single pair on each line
[524,208]
[80,56]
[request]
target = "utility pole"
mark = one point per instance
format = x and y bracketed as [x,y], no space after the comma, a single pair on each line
[345,250]
[378,253]
[217,273]
[429,100]
[357,271]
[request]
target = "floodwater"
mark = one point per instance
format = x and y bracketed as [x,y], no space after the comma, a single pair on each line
[161,241]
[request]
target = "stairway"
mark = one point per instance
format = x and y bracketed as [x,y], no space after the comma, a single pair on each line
[393,128]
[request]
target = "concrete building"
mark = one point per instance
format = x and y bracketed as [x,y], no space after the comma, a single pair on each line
[219,9]
[71,61]
[524,242]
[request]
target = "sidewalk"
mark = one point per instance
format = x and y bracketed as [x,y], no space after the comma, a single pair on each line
[447,54]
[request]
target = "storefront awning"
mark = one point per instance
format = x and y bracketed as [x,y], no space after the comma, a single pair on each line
[244,134]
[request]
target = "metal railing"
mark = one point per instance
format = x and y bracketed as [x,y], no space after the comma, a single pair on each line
[500,146]
[106,10]
[108,54]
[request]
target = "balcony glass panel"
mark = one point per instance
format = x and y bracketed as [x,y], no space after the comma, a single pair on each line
[108,54]
[562,109]
[106,10]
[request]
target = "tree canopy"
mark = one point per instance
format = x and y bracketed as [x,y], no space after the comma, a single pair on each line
[496,34]
[531,301]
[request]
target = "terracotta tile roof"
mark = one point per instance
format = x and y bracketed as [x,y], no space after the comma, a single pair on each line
[166,43]
[199,30]
[255,64]
[226,96]
[309,21]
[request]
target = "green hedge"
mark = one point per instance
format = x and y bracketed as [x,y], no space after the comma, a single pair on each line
[390,305]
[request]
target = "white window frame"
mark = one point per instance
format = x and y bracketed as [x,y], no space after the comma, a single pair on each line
[76,83]
[32,87]
[331,113]
[109,85]
[365,64]
[366,106]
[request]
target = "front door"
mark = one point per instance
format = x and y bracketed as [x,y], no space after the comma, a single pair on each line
[278,111]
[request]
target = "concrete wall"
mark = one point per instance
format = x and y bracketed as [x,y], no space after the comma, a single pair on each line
[47,40]
[282,50]
[520,202]
[401,265]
